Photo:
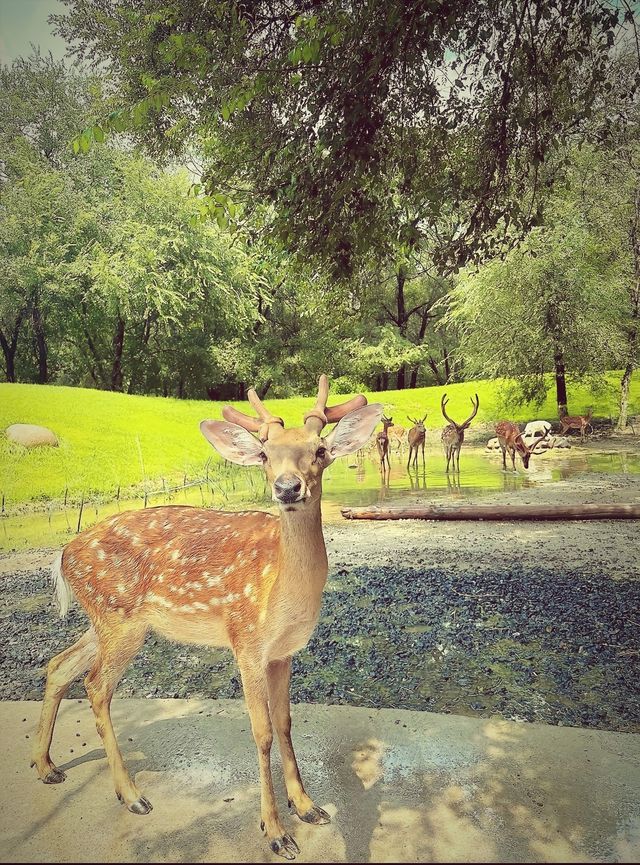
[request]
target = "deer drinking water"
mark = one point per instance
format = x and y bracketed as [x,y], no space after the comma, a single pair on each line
[416,438]
[249,581]
[453,434]
[510,439]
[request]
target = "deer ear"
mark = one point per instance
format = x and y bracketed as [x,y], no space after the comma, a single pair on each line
[353,430]
[233,442]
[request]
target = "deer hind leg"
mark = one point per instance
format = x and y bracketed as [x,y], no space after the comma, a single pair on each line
[61,671]
[278,676]
[118,643]
[256,694]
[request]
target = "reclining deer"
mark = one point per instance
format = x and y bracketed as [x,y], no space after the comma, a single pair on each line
[510,439]
[249,581]
[453,434]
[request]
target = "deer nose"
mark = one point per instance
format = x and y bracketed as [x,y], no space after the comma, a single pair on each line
[287,488]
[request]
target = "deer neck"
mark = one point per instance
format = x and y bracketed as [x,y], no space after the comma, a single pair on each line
[302,553]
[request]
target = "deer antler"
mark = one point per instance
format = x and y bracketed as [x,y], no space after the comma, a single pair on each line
[443,403]
[537,441]
[260,424]
[321,415]
[476,406]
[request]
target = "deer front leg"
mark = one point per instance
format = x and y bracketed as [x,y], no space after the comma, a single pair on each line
[278,677]
[254,683]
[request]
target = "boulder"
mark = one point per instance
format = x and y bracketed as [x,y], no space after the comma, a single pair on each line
[493,444]
[31,436]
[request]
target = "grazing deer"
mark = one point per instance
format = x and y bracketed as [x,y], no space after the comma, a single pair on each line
[453,434]
[382,441]
[510,439]
[579,422]
[417,435]
[249,581]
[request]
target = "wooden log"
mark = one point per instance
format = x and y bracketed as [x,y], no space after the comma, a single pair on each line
[497,512]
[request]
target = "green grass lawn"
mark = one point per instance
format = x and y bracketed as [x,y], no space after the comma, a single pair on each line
[111,440]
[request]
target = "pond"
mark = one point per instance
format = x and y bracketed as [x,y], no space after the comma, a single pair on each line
[350,482]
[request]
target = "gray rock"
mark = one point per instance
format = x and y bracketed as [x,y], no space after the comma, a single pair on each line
[31,436]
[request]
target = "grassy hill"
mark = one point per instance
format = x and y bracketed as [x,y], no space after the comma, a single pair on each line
[111,440]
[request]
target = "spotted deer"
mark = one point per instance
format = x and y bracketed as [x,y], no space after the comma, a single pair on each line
[250,581]
[453,434]
[510,439]
[578,422]
[382,441]
[416,439]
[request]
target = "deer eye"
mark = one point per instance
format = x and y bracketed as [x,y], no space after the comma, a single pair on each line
[321,453]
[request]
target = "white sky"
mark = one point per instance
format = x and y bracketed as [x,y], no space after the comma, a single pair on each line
[25,21]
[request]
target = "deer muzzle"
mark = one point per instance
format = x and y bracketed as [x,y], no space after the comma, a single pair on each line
[288,488]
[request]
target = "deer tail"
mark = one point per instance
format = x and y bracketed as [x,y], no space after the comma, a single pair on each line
[62,591]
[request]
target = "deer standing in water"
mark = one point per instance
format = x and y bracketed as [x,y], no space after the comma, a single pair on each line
[249,581]
[416,437]
[510,439]
[579,422]
[453,434]
[382,441]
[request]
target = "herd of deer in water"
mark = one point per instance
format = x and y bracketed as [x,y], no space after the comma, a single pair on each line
[509,435]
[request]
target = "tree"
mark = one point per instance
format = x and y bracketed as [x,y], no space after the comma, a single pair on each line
[365,127]
[554,304]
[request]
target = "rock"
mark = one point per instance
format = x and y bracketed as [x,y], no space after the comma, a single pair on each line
[31,436]
[493,444]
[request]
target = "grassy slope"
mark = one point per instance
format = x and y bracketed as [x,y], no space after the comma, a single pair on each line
[110,439]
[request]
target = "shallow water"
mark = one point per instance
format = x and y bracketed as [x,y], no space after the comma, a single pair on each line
[350,482]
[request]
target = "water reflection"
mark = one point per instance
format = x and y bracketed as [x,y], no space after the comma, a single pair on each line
[355,481]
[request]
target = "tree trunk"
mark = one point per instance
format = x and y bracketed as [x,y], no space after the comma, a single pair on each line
[40,342]
[118,346]
[9,346]
[634,292]
[624,398]
[402,320]
[561,384]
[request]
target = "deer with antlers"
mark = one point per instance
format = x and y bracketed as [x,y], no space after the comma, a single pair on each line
[453,434]
[416,438]
[250,581]
[382,441]
[510,439]
[578,422]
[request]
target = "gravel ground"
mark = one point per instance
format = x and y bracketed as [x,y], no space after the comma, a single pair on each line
[534,621]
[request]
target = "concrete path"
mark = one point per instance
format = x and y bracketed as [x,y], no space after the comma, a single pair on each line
[400,786]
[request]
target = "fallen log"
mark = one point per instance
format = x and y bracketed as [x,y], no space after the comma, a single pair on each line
[497,512]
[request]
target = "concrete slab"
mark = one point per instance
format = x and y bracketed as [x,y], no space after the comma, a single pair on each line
[401,787]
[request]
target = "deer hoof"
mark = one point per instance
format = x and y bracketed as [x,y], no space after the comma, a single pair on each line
[55,776]
[316,816]
[140,806]
[285,847]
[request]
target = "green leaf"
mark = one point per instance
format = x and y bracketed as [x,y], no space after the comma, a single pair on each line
[98,134]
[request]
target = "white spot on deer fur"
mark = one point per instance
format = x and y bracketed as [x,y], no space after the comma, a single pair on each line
[229,569]
[122,589]
[248,590]
[175,555]
[181,590]
[153,524]
[88,569]
[251,628]
[95,542]
[213,602]
[158,599]
[199,606]
[213,581]
[102,555]
[254,554]
[160,578]
[195,585]
[111,600]
[99,599]
[266,571]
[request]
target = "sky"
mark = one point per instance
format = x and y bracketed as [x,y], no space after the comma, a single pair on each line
[25,21]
